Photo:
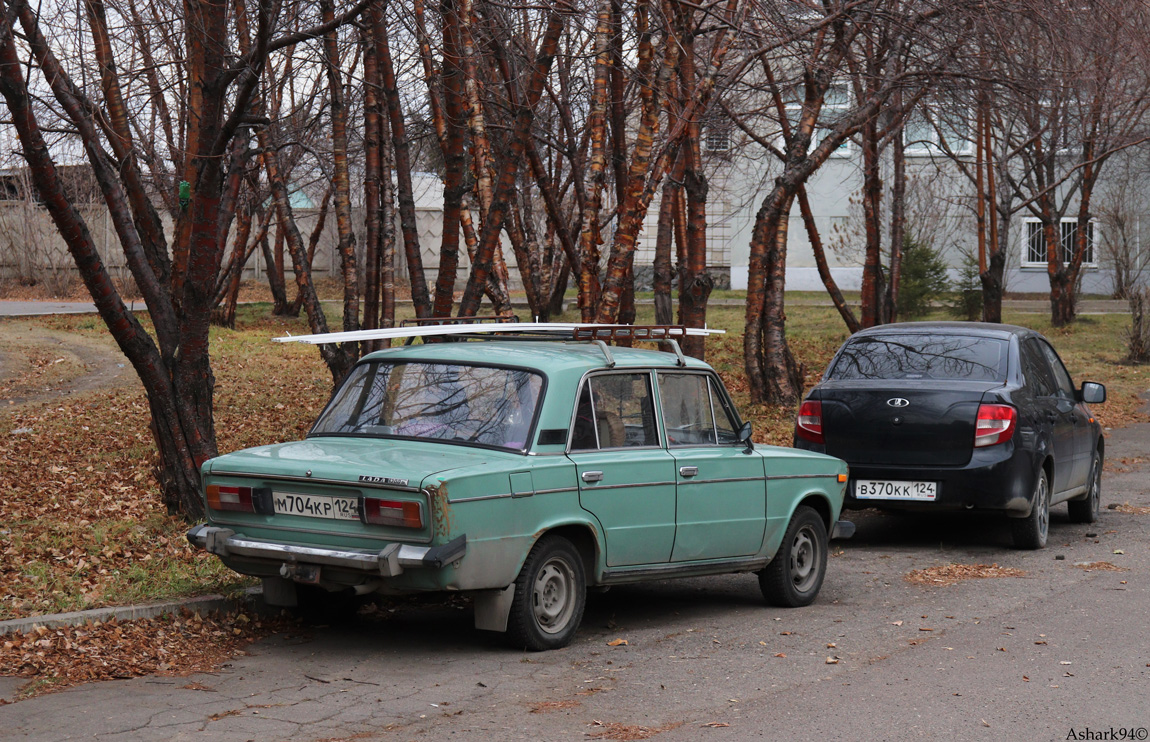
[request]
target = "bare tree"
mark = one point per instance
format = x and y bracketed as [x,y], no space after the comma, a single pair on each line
[1080,87]
[218,85]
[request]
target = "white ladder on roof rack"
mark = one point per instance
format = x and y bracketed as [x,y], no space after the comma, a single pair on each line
[553,330]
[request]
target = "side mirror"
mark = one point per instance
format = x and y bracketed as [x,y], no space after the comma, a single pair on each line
[1092,393]
[745,437]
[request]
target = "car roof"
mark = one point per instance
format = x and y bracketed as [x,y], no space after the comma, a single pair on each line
[547,356]
[976,329]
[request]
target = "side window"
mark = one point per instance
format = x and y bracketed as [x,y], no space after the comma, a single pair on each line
[615,411]
[687,411]
[1061,377]
[1035,370]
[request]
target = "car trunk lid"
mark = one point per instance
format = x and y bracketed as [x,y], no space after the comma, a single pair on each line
[904,423]
[315,488]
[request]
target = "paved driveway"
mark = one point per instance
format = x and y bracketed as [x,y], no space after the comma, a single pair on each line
[32,308]
[1062,648]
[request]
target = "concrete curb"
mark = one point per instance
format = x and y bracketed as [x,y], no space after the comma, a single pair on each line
[252,599]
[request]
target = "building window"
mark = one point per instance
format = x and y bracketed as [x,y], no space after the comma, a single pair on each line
[933,131]
[717,133]
[1068,232]
[836,104]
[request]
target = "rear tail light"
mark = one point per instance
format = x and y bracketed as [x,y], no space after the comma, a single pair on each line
[392,513]
[809,423]
[995,424]
[221,497]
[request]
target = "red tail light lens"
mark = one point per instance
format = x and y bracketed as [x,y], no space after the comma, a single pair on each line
[809,423]
[392,513]
[230,498]
[995,424]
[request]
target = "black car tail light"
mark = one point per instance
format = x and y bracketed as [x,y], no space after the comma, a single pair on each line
[809,423]
[995,424]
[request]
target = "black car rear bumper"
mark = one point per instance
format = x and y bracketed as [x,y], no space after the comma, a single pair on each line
[997,478]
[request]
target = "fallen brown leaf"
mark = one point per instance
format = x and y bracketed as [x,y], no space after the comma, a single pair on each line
[1100,567]
[166,645]
[615,730]
[950,574]
[546,706]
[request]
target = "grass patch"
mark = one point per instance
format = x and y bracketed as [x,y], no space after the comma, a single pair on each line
[82,525]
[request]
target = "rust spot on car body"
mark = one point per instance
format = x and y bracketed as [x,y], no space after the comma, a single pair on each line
[440,510]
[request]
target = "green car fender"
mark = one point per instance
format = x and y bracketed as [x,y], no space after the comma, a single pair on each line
[814,497]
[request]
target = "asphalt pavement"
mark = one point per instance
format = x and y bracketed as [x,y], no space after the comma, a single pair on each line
[1057,653]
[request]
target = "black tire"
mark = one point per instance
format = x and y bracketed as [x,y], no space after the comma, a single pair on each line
[1031,532]
[1089,508]
[794,576]
[550,594]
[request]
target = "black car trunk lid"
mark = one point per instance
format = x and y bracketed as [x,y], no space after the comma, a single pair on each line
[904,423]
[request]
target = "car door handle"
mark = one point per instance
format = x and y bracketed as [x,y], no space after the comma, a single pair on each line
[688,471]
[592,476]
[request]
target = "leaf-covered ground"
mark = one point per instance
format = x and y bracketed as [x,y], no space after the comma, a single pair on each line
[81,524]
[53,659]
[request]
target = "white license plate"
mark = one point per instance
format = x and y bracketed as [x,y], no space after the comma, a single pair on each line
[316,506]
[869,489]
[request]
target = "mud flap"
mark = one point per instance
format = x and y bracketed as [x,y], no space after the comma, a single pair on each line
[492,607]
[279,592]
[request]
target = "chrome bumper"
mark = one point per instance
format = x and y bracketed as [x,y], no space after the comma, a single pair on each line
[388,562]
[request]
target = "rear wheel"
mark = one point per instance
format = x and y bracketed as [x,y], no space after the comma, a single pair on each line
[794,576]
[550,593]
[1087,509]
[1031,532]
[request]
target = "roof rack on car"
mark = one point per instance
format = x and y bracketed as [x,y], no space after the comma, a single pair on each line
[472,330]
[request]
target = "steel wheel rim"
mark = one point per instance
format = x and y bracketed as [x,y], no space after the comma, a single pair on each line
[804,559]
[1043,509]
[552,595]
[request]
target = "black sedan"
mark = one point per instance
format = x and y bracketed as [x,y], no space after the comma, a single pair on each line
[946,416]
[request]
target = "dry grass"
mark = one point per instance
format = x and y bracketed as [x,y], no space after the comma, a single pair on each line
[548,706]
[1130,509]
[950,574]
[615,730]
[82,524]
[1099,567]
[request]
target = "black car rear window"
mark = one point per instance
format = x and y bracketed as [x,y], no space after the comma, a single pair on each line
[922,356]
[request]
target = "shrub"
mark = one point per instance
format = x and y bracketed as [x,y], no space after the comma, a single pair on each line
[967,302]
[923,278]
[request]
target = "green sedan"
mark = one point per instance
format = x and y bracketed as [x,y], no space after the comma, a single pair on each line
[523,469]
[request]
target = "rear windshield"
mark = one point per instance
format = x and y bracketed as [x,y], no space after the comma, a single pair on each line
[922,356]
[435,401]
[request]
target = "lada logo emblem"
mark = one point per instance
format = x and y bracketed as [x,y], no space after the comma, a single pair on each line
[393,481]
[898,402]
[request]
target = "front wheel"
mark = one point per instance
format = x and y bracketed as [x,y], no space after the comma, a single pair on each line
[1088,509]
[794,576]
[550,593]
[1031,532]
